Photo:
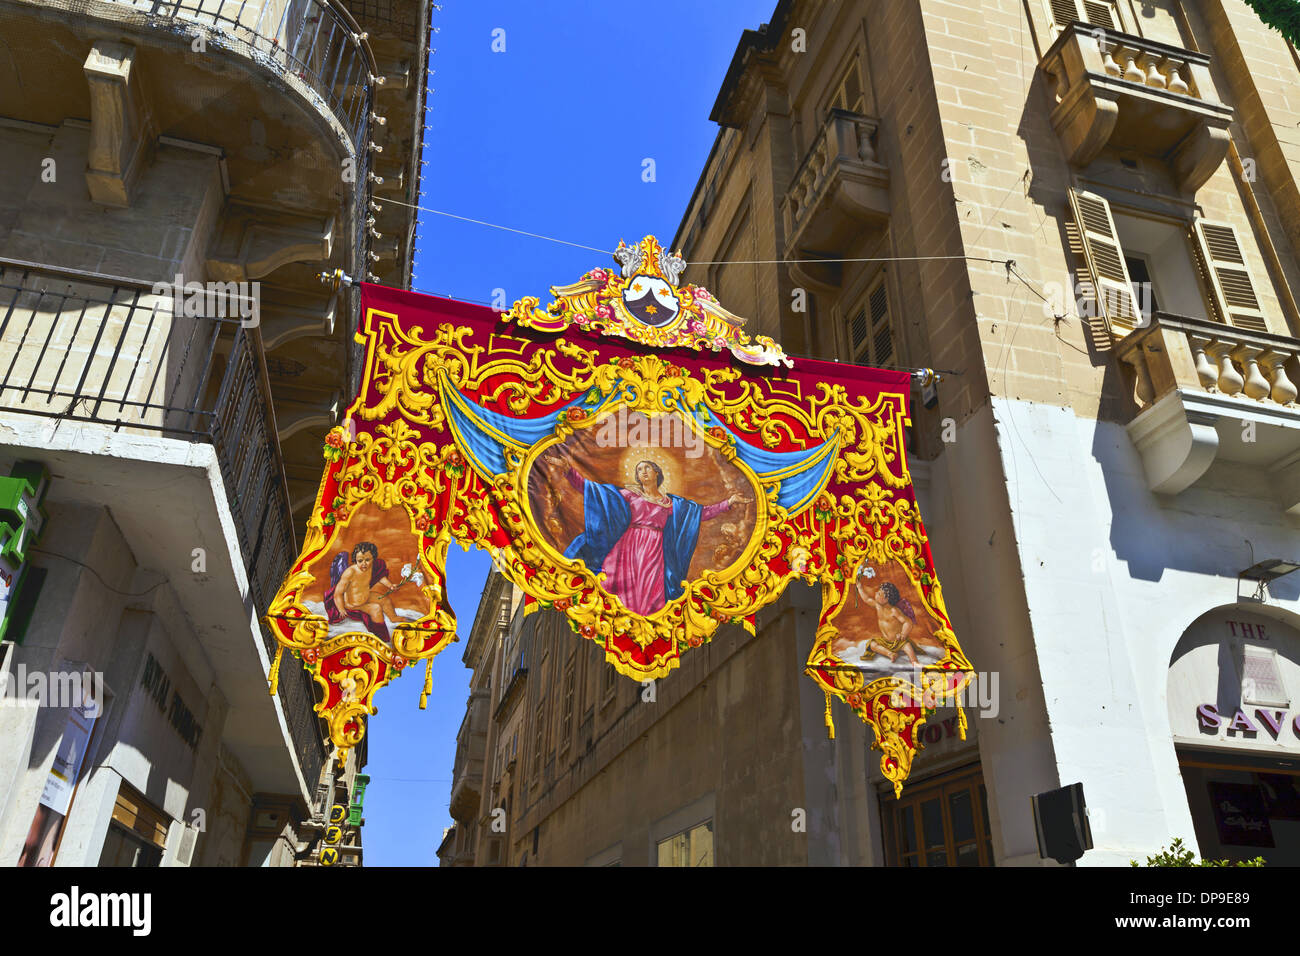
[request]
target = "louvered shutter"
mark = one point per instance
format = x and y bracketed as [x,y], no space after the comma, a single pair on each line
[1064,11]
[1232,293]
[882,335]
[1112,288]
[1100,14]
[871,337]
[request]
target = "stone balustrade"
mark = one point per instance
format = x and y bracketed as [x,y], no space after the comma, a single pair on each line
[1183,352]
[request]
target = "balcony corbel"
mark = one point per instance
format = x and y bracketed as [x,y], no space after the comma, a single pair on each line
[252,244]
[122,133]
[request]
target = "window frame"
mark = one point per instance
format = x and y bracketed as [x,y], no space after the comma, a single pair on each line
[968,779]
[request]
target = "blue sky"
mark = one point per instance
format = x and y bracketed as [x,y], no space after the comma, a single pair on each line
[549,137]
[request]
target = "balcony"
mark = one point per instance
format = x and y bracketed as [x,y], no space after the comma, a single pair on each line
[838,190]
[1114,89]
[471,750]
[1207,391]
[130,389]
[314,46]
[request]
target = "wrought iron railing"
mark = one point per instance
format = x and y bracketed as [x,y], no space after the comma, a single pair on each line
[81,346]
[318,42]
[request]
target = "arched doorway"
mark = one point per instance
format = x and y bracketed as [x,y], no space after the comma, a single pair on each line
[1234,707]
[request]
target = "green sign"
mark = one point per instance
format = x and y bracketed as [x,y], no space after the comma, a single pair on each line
[21,522]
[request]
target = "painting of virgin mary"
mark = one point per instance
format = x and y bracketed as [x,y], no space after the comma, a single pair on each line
[641,536]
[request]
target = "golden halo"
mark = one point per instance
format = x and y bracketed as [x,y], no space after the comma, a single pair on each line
[666,458]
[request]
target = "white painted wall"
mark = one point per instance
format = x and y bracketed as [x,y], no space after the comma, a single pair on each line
[1112,576]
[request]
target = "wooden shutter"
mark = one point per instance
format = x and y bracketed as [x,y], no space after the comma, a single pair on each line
[1098,13]
[1232,293]
[882,335]
[871,337]
[1064,11]
[1112,288]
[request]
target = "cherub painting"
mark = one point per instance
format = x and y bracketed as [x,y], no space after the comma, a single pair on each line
[880,629]
[356,589]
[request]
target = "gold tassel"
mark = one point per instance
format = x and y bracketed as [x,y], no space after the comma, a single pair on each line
[961,721]
[275,668]
[428,683]
[830,724]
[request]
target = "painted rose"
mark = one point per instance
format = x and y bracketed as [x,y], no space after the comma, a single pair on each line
[695,640]
[855,701]
[422,523]
[604,312]
[587,630]
[310,655]
[563,604]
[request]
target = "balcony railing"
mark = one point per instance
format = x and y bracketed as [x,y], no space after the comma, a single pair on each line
[1115,89]
[838,187]
[1205,391]
[315,44]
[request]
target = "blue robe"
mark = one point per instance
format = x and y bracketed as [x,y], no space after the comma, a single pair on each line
[606,517]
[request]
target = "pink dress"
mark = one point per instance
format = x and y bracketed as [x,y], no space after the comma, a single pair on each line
[634,567]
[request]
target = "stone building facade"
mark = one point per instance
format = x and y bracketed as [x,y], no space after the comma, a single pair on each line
[1085,215]
[176,178]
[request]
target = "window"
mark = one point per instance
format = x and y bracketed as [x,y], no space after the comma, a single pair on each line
[1098,13]
[566,723]
[1137,263]
[539,741]
[871,336]
[137,832]
[610,680]
[693,847]
[848,91]
[1142,284]
[943,823]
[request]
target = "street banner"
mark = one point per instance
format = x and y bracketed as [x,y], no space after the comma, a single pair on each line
[634,460]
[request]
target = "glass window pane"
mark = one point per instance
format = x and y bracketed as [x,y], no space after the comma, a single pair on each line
[962,816]
[937,857]
[932,823]
[702,845]
[968,854]
[909,830]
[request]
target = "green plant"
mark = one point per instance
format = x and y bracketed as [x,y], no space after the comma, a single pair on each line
[1282,15]
[1178,854]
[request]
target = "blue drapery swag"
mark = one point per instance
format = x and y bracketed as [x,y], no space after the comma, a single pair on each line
[486,435]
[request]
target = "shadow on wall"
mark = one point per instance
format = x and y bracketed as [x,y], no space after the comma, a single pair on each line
[1218,527]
